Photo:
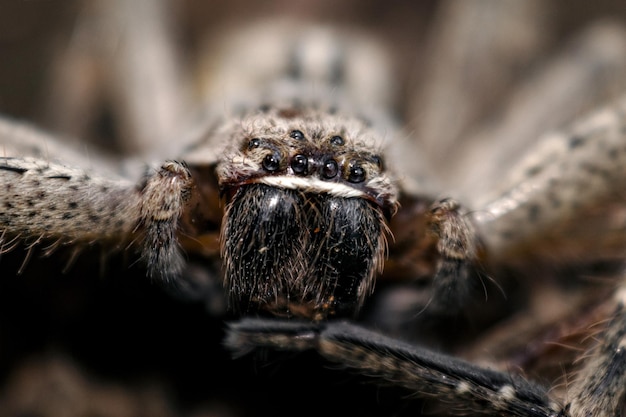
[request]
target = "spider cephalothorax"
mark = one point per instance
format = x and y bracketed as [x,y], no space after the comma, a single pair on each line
[304,230]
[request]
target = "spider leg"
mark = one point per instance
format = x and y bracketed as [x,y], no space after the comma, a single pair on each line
[422,372]
[599,388]
[46,201]
[121,60]
[434,243]
[585,74]
[572,174]
[458,248]
[468,96]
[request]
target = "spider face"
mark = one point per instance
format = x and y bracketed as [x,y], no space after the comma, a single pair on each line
[304,230]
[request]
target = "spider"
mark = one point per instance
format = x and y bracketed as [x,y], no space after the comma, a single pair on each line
[298,192]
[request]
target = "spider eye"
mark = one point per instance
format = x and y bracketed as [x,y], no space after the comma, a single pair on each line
[330,168]
[378,161]
[271,162]
[296,134]
[356,173]
[337,140]
[254,143]
[299,164]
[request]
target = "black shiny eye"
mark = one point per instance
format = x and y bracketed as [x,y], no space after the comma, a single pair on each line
[271,162]
[299,164]
[337,140]
[330,168]
[254,143]
[356,173]
[296,134]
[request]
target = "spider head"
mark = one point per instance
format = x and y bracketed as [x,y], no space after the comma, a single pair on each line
[308,199]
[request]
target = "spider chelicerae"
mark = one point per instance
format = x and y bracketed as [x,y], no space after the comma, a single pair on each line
[296,190]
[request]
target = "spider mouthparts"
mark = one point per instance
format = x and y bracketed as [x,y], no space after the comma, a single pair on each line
[300,254]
